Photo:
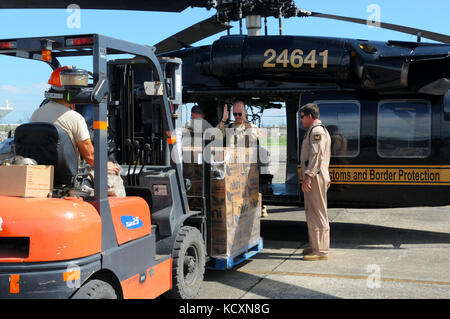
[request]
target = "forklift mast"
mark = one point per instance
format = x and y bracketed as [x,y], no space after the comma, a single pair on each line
[136,113]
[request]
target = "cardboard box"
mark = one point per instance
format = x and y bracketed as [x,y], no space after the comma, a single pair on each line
[235,227]
[235,199]
[26,180]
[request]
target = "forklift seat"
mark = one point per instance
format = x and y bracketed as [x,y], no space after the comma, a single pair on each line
[48,144]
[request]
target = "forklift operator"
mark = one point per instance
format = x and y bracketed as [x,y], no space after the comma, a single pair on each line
[60,112]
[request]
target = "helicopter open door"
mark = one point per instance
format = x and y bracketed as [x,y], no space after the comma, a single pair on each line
[340,113]
[284,188]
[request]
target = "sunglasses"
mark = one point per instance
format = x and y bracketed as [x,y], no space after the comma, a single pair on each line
[302,116]
[236,114]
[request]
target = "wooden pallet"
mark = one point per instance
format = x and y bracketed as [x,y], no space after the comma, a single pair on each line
[230,262]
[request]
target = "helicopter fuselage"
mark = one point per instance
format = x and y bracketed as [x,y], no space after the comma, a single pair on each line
[387,98]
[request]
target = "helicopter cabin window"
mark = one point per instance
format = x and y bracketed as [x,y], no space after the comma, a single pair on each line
[404,129]
[342,120]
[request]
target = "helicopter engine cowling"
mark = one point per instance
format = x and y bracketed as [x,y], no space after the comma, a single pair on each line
[272,62]
[280,58]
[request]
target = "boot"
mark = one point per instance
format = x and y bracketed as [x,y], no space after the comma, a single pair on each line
[313,257]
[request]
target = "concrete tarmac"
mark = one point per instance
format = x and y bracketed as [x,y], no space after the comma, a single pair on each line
[375,253]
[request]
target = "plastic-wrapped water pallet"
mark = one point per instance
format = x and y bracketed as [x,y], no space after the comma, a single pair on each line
[230,262]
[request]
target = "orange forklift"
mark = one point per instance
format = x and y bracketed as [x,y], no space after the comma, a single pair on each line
[80,244]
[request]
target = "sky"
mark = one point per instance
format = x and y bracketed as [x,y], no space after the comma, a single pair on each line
[23,82]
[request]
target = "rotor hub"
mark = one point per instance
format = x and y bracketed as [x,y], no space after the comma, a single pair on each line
[234,10]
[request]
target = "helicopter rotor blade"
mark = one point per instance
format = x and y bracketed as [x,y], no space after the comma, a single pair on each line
[192,34]
[417,32]
[149,5]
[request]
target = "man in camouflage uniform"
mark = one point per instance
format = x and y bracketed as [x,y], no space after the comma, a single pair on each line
[241,133]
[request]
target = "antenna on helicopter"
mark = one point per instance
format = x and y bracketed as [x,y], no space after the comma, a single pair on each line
[240,18]
[279,21]
[265,25]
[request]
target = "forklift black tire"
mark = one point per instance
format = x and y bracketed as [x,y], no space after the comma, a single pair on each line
[95,289]
[188,267]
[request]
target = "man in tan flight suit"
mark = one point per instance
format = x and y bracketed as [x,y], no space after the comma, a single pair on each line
[315,159]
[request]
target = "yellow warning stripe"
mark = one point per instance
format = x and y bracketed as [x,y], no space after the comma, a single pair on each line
[335,276]
[435,175]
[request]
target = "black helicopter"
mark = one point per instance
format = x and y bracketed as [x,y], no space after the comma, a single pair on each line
[386,104]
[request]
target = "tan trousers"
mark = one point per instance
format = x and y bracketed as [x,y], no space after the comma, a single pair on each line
[316,216]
